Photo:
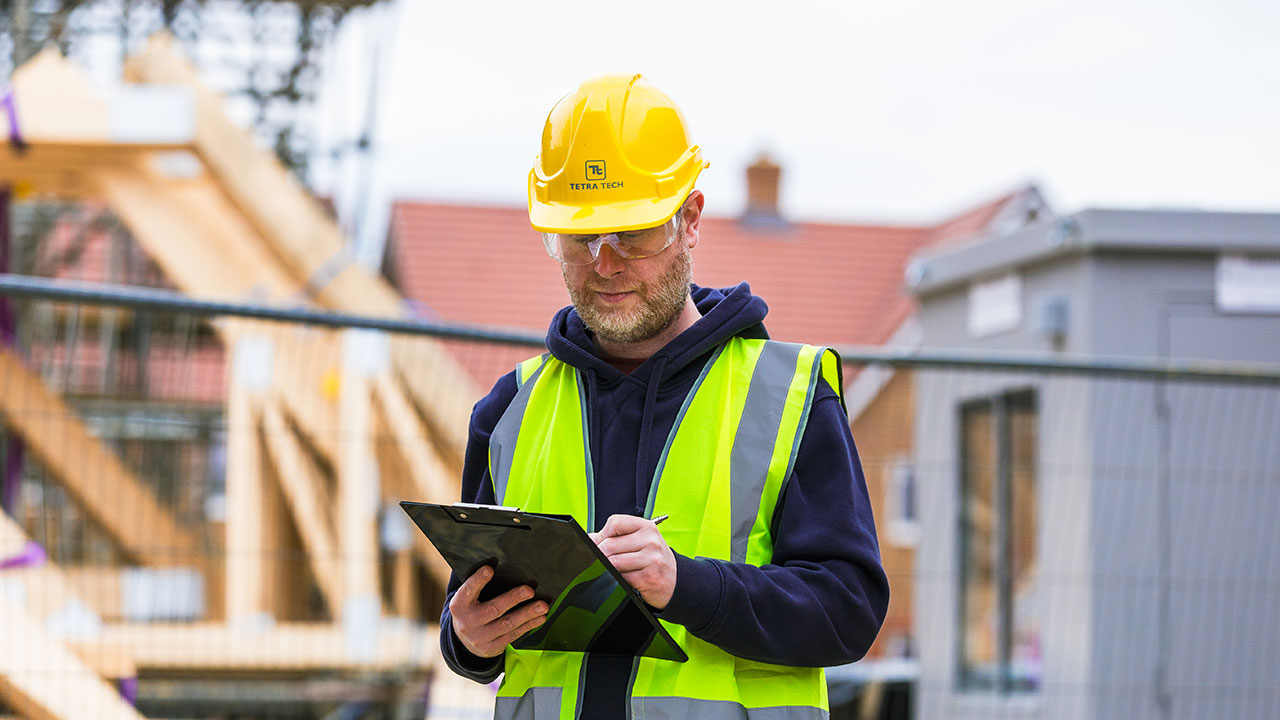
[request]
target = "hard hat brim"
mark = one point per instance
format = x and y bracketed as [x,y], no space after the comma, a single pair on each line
[611,217]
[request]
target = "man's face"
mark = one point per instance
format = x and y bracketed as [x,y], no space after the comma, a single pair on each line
[628,301]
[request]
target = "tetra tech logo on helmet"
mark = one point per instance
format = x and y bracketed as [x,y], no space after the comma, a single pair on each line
[596,171]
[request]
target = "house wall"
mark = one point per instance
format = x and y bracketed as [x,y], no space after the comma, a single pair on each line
[883,434]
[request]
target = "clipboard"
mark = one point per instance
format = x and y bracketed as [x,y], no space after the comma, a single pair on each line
[591,607]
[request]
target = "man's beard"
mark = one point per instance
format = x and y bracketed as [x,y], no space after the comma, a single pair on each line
[660,305]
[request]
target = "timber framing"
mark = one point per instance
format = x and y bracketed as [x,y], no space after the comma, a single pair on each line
[116,501]
[320,436]
[324,434]
[307,242]
[285,647]
[304,490]
[47,681]
[49,599]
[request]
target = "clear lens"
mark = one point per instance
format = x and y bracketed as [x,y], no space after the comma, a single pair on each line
[629,245]
[551,241]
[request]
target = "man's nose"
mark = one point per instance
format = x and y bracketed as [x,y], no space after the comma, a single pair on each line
[608,261]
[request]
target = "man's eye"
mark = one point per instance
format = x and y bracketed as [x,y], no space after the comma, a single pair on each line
[629,236]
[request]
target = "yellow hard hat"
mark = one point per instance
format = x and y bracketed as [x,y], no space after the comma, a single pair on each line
[615,156]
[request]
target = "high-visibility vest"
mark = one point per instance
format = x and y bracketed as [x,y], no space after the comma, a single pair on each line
[719,478]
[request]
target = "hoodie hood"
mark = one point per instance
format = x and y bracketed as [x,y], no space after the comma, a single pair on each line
[726,312]
[622,409]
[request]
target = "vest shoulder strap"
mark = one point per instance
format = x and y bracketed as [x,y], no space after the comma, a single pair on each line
[526,369]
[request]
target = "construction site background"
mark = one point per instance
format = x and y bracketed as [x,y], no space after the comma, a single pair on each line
[203,458]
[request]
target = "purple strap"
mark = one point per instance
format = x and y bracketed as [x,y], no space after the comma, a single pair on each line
[128,687]
[12,473]
[32,555]
[12,478]
[11,109]
[8,327]
[8,337]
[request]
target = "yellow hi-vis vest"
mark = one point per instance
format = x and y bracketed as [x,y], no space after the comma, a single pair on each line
[719,478]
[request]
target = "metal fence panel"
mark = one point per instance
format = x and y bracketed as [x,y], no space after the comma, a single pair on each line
[1065,538]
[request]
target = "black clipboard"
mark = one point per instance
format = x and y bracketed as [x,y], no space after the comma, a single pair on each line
[592,608]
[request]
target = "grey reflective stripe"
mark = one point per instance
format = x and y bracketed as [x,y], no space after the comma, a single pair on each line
[757,434]
[502,441]
[586,451]
[520,379]
[582,687]
[676,708]
[540,703]
[814,376]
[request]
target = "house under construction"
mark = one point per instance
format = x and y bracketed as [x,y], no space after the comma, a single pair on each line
[299,593]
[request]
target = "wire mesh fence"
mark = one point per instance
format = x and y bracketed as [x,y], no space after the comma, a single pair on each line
[1084,544]
[200,513]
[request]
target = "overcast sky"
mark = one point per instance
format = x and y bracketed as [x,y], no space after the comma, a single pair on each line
[903,111]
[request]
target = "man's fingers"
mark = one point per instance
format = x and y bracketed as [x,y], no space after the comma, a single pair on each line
[469,592]
[618,525]
[527,614]
[486,628]
[497,607]
[511,626]
[638,550]
[528,625]
[628,561]
[631,542]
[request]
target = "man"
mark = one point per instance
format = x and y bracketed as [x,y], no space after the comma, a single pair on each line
[661,397]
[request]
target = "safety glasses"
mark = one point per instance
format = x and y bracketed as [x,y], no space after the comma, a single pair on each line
[628,245]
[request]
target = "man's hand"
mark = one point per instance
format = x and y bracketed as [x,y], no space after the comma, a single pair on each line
[637,549]
[486,628]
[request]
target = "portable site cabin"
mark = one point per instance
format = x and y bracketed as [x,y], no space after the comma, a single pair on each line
[1101,546]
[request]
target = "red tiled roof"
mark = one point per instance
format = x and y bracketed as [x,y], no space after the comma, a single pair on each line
[897,302]
[476,265]
[972,222]
[472,264]
[825,283]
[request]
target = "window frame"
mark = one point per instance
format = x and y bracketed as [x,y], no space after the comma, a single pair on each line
[902,512]
[1000,678]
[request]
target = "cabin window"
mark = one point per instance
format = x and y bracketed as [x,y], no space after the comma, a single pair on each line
[999,641]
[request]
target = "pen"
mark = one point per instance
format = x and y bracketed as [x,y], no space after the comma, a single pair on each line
[658,520]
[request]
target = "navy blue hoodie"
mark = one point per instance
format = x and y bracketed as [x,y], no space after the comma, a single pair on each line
[822,600]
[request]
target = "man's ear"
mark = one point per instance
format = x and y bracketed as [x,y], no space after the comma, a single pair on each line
[691,213]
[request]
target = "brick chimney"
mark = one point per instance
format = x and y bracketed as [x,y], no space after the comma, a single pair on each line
[762,193]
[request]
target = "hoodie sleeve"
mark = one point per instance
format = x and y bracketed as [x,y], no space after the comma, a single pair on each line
[822,600]
[476,488]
